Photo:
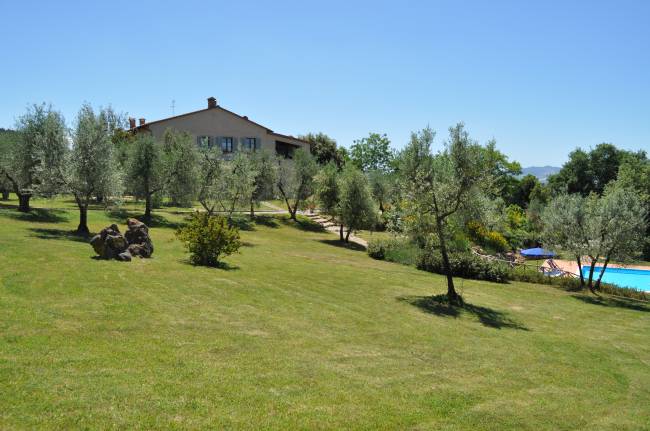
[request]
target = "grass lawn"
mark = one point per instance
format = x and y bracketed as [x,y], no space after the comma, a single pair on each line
[297,333]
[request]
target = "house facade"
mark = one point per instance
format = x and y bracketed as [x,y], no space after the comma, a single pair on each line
[217,127]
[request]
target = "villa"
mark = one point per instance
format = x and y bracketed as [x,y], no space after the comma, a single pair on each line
[218,127]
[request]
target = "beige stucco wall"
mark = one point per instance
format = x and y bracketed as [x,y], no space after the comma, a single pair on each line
[218,123]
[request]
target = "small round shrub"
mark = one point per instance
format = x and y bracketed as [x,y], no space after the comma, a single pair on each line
[208,238]
[377,248]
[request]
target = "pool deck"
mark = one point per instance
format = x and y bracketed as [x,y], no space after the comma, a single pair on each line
[572,267]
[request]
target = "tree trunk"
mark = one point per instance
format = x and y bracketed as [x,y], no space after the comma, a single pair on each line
[602,271]
[83,220]
[5,195]
[582,277]
[341,232]
[591,274]
[147,207]
[292,213]
[452,296]
[347,235]
[252,209]
[23,202]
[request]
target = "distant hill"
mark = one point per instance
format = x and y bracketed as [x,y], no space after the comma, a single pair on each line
[541,172]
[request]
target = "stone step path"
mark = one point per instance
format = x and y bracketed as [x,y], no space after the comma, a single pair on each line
[333,227]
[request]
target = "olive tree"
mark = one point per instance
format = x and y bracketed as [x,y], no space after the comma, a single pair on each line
[565,227]
[225,185]
[357,209]
[32,164]
[439,186]
[601,228]
[209,174]
[328,193]
[266,175]
[296,179]
[91,168]
[182,158]
[146,170]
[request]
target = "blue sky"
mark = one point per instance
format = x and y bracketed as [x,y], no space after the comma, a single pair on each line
[540,78]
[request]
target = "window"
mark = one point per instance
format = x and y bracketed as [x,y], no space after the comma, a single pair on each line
[250,144]
[226,145]
[203,141]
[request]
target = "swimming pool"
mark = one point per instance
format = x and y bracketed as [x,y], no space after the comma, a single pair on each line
[636,278]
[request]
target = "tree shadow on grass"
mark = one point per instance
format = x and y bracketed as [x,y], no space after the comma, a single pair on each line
[608,301]
[156,220]
[302,223]
[37,215]
[338,243]
[70,235]
[225,266]
[439,305]
[267,221]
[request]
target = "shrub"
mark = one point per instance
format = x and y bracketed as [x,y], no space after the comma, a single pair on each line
[489,239]
[377,248]
[208,238]
[466,265]
[399,250]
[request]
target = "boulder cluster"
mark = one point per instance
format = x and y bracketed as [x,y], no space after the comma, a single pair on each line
[111,244]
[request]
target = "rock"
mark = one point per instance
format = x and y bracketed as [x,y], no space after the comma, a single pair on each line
[137,236]
[111,244]
[124,257]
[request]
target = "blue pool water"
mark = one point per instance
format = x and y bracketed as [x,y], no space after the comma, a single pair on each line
[636,278]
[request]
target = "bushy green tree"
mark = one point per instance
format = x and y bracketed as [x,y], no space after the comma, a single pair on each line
[182,158]
[601,228]
[357,209]
[328,193]
[210,169]
[91,169]
[147,173]
[266,176]
[208,238]
[439,186]
[372,153]
[226,185]
[324,149]
[296,179]
[8,140]
[590,171]
[32,165]
[634,173]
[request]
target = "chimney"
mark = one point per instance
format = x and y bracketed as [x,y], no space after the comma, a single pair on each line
[131,123]
[212,102]
[141,121]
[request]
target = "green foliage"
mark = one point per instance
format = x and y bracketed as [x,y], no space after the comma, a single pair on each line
[439,188]
[465,265]
[146,170]
[372,153]
[523,190]
[296,179]
[588,172]
[33,163]
[91,169]
[607,227]
[492,240]
[394,249]
[208,238]
[357,210]
[324,149]
[328,189]
[503,172]
[182,159]
[265,167]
